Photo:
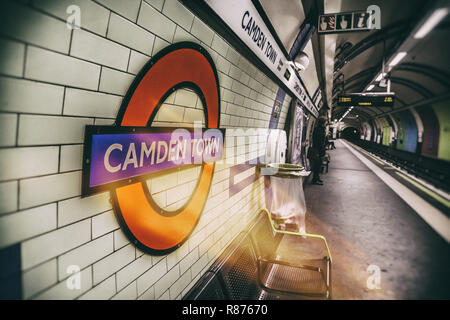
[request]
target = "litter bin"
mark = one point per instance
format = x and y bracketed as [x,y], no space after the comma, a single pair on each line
[288,206]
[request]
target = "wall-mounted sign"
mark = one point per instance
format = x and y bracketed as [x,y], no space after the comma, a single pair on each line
[120,157]
[320,104]
[349,21]
[357,100]
[317,99]
[317,96]
[287,74]
[276,109]
[243,19]
[114,155]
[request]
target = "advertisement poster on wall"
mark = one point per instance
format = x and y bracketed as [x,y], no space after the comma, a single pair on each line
[295,135]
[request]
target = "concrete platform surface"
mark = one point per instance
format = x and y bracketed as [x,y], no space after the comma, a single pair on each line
[372,232]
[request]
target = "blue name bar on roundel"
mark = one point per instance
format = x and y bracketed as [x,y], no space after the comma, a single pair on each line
[119,156]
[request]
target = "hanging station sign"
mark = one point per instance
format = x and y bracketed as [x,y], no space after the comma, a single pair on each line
[366,100]
[244,20]
[120,158]
[349,21]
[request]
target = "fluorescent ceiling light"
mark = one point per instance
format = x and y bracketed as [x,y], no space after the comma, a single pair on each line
[380,76]
[397,58]
[370,87]
[432,21]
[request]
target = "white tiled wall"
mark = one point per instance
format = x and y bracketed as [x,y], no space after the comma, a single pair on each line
[53,82]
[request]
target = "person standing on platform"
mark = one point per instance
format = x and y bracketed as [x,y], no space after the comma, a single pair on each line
[317,150]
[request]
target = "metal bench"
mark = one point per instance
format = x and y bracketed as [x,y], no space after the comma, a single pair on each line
[251,269]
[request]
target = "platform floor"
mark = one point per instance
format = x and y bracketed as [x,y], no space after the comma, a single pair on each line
[365,224]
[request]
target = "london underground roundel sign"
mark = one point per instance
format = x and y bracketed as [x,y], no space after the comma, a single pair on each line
[115,158]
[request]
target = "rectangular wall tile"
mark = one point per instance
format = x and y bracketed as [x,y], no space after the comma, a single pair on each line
[96,49]
[94,17]
[39,130]
[71,157]
[62,292]
[148,295]
[128,9]
[163,182]
[129,293]
[130,35]
[185,98]
[13,15]
[16,163]
[102,291]
[182,35]
[64,70]
[46,189]
[159,45]
[201,31]
[39,278]
[120,239]
[85,255]
[104,223]
[113,263]
[180,284]
[8,196]
[116,82]
[178,13]
[8,128]
[157,4]
[151,276]
[19,95]
[23,225]
[133,271]
[219,45]
[76,209]
[13,53]
[55,243]
[188,260]
[166,281]
[170,113]
[152,20]
[91,104]
[137,61]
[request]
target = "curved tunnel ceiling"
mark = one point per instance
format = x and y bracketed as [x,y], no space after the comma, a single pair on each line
[359,57]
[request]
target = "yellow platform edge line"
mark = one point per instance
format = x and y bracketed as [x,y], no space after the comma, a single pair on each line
[426,190]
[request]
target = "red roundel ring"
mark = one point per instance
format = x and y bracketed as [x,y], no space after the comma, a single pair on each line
[183,64]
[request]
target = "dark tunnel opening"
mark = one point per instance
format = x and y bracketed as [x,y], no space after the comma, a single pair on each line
[351,133]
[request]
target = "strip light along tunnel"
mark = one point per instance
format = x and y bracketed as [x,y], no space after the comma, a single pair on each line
[113,156]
